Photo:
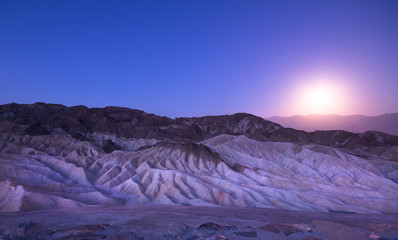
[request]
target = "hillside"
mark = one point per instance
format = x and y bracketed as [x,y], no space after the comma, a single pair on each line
[57,156]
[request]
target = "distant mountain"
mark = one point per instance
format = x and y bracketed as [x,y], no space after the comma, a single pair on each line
[387,123]
[56,156]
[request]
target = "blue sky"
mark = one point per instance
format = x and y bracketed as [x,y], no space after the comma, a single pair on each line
[195,58]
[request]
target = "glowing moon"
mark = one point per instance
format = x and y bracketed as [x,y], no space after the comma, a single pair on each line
[319,95]
[319,99]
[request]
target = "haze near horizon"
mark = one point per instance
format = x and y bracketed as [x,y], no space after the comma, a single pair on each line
[180,58]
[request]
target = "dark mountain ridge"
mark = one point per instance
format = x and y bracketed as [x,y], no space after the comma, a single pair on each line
[78,121]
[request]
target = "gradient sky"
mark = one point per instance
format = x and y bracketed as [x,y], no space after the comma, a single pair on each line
[195,58]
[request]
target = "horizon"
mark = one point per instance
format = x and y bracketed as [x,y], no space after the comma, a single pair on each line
[198,116]
[190,59]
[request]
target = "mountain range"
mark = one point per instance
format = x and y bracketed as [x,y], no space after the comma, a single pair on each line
[387,123]
[57,156]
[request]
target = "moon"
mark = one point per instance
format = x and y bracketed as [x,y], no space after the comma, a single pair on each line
[319,99]
[320,95]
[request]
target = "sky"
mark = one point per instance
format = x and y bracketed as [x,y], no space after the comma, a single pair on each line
[196,58]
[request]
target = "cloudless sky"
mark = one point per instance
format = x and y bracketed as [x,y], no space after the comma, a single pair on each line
[195,58]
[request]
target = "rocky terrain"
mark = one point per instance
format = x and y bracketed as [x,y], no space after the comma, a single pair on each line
[157,222]
[52,156]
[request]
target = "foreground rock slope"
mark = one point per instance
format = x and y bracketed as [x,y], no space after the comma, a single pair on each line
[55,156]
[155,222]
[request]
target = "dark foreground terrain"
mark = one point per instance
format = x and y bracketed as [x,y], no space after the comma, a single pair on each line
[180,222]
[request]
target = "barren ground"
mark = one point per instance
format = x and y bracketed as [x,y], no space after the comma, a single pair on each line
[180,222]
